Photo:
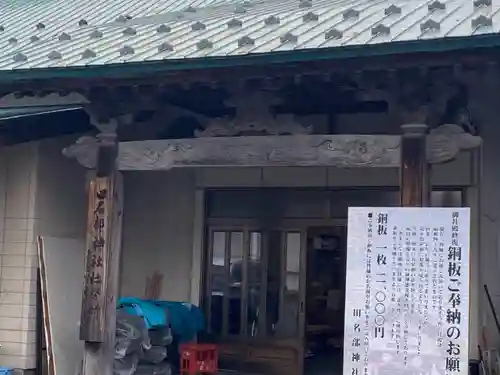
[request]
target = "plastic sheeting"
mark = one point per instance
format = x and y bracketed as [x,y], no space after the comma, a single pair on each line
[134,353]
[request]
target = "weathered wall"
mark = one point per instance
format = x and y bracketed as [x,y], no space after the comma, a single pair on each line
[61,199]
[41,193]
[158,232]
[18,259]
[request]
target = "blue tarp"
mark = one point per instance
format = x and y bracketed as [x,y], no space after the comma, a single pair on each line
[185,319]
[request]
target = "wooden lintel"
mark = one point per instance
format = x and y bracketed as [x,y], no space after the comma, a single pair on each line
[344,151]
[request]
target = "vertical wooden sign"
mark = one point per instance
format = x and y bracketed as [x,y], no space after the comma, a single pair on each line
[98,322]
[92,321]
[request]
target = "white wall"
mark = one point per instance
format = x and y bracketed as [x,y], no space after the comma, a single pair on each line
[61,197]
[41,193]
[18,259]
[158,232]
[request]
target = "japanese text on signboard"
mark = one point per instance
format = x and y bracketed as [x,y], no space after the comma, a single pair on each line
[409,311]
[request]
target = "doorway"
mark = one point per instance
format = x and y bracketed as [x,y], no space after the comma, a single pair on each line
[325,297]
[274,282]
[255,297]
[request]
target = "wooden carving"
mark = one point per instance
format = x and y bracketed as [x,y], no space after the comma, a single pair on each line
[344,151]
[84,150]
[445,142]
[253,117]
[298,150]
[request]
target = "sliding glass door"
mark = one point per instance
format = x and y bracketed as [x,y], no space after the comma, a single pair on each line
[255,287]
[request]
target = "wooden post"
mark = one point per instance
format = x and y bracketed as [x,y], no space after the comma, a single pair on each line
[414,169]
[105,205]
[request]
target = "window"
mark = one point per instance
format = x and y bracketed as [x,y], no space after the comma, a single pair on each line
[254,283]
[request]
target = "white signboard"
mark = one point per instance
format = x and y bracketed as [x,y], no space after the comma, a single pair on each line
[407,300]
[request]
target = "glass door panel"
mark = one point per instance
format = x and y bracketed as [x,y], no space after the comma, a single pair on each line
[236,285]
[274,262]
[217,281]
[256,283]
[290,297]
[254,289]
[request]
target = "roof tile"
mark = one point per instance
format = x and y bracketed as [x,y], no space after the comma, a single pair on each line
[392,9]
[88,54]
[289,38]
[55,55]
[246,41]
[430,25]
[260,29]
[381,30]
[126,50]
[272,20]
[310,17]
[481,21]
[240,10]
[165,47]
[198,26]
[350,14]
[204,44]
[20,57]
[64,37]
[482,3]
[436,5]
[333,34]
[123,18]
[234,23]
[163,29]
[129,31]
[96,34]
[305,4]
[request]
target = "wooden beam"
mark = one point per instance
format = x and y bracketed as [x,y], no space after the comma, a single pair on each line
[343,151]
[476,59]
[105,206]
[98,320]
[414,170]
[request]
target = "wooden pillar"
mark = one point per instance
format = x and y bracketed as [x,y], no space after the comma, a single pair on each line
[105,205]
[414,168]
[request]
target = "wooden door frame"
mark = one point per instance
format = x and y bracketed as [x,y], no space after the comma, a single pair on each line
[248,226]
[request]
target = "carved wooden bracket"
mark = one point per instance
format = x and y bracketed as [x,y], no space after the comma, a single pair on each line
[345,151]
[253,117]
[445,142]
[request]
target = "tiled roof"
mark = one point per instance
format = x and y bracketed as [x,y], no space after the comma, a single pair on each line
[62,33]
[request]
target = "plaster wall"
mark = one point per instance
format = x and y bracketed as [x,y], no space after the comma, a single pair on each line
[41,193]
[158,232]
[18,259]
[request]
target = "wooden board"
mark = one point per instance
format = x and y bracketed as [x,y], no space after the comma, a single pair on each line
[98,356]
[61,264]
[96,260]
[333,150]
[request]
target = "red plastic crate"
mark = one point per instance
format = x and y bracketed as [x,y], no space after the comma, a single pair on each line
[199,359]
